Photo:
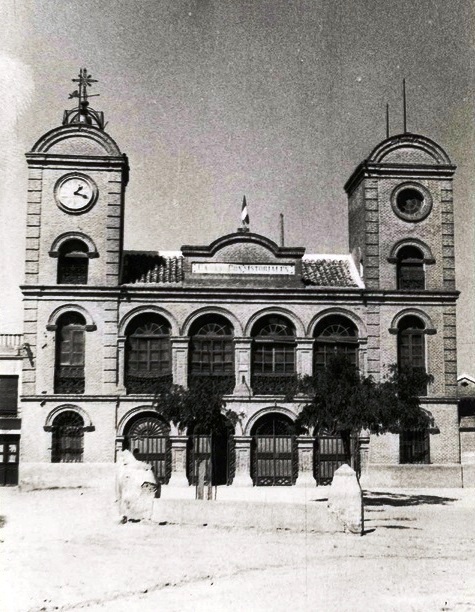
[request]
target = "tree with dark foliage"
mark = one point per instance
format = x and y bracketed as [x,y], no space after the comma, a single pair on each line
[342,401]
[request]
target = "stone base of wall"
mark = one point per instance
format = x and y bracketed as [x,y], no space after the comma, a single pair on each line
[261,515]
[468,475]
[69,475]
[412,476]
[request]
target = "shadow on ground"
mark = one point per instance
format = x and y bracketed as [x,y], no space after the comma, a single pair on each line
[401,499]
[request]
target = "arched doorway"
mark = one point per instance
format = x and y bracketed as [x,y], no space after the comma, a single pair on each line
[213,453]
[148,438]
[274,451]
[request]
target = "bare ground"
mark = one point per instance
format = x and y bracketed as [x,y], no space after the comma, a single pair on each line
[66,550]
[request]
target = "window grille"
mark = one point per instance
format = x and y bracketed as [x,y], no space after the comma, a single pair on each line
[273,356]
[68,438]
[212,353]
[414,447]
[73,263]
[148,355]
[411,347]
[410,269]
[70,354]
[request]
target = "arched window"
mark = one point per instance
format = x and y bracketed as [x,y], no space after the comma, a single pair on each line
[414,447]
[410,268]
[411,346]
[147,354]
[73,263]
[212,353]
[274,459]
[70,354]
[68,438]
[335,335]
[273,356]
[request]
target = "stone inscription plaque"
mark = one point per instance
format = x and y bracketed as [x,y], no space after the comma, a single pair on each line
[237,268]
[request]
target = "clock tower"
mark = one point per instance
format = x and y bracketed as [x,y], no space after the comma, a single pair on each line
[76,186]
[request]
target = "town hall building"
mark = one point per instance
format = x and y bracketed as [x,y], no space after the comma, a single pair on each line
[104,328]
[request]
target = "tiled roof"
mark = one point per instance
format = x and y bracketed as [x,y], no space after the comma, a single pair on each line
[152,268]
[327,273]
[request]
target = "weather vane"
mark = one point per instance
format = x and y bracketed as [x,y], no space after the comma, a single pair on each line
[82,113]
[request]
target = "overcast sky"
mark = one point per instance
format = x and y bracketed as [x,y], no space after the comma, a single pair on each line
[213,99]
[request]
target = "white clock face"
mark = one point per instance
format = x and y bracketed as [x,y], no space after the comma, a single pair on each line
[75,193]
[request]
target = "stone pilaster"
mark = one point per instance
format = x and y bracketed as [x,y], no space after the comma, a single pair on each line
[178,477]
[305,446]
[121,364]
[242,364]
[180,360]
[304,356]
[242,477]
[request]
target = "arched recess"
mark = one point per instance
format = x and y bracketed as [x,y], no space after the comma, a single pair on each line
[428,257]
[60,240]
[88,426]
[248,428]
[55,137]
[429,327]
[414,141]
[343,312]
[210,310]
[140,310]
[284,312]
[53,318]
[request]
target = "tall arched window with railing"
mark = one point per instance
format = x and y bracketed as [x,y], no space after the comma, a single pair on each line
[411,347]
[273,356]
[410,268]
[73,263]
[147,354]
[70,354]
[211,359]
[335,335]
[68,438]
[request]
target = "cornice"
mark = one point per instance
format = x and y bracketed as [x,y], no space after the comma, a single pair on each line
[403,171]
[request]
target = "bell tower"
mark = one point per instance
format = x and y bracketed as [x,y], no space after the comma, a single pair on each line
[400,197]
[76,187]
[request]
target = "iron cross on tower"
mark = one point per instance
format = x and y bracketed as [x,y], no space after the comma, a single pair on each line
[83,114]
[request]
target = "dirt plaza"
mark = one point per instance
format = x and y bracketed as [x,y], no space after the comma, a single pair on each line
[65,549]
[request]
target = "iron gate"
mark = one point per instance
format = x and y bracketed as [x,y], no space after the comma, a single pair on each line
[329,454]
[212,454]
[148,440]
[275,460]
[9,451]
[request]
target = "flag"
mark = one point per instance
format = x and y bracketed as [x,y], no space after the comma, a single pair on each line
[244,213]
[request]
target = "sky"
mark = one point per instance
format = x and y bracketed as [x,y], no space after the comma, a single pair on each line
[278,100]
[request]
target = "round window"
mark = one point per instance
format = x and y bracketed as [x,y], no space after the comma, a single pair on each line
[411,202]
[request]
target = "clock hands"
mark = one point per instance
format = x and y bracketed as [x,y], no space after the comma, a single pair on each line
[78,192]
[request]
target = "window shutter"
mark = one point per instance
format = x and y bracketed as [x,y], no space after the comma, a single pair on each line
[8,394]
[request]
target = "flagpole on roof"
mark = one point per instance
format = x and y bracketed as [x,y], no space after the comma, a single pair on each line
[244,217]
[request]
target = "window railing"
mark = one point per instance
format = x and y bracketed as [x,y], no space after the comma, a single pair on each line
[217,383]
[69,380]
[273,384]
[150,385]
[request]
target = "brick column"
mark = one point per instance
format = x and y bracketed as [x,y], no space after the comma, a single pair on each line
[304,356]
[180,360]
[305,446]
[178,477]
[363,449]
[242,366]
[242,477]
